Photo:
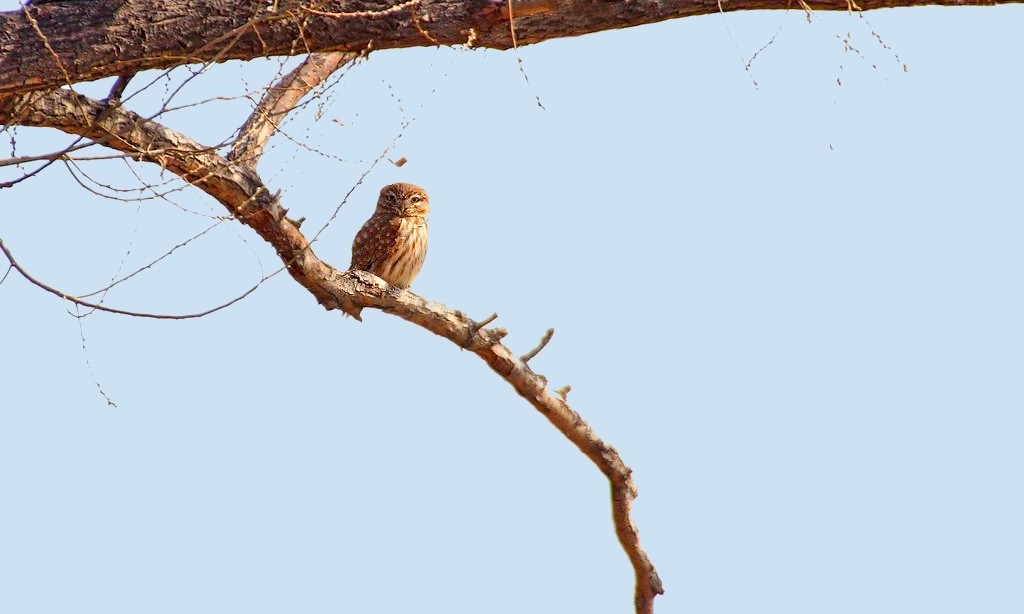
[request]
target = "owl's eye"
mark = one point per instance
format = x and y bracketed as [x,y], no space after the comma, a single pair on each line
[416,198]
[391,197]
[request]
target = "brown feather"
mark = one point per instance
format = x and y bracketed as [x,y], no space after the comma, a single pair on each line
[392,244]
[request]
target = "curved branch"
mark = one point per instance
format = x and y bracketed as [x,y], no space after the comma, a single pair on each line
[51,44]
[239,188]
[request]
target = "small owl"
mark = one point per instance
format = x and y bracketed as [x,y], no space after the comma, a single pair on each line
[392,244]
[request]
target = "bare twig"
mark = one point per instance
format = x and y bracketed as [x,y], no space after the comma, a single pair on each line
[136,314]
[540,346]
[564,391]
[113,99]
[476,327]
[486,321]
[28,175]
[282,98]
[117,90]
[88,363]
[363,14]
[529,8]
[54,155]
[46,43]
[121,280]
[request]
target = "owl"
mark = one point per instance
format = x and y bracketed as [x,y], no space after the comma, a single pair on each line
[392,244]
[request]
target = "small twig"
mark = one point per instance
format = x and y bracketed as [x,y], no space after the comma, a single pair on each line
[486,321]
[365,14]
[807,9]
[119,85]
[515,45]
[512,27]
[42,167]
[88,363]
[55,155]
[421,29]
[97,306]
[476,327]
[540,346]
[281,98]
[117,281]
[564,391]
[113,99]
[46,43]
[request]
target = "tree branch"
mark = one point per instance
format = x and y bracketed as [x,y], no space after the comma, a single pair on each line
[239,188]
[282,98]
[527,357]
[49,45]
[15,265]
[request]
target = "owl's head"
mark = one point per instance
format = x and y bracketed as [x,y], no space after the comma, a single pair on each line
[404,200]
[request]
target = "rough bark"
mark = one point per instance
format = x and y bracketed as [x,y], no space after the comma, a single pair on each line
[59,42]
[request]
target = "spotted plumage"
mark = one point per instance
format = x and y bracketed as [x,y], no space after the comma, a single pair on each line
[392,244]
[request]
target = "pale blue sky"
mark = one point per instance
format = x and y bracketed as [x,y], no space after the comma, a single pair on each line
[794,309]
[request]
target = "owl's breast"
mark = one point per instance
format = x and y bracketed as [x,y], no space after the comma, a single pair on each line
[393,249]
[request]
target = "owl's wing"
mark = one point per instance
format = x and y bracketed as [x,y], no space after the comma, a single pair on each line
[374,241]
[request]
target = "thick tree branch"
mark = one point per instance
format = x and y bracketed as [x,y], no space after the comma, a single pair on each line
[239,188]
[48,45]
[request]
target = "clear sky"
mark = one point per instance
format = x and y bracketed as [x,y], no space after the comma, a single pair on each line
[795,309]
